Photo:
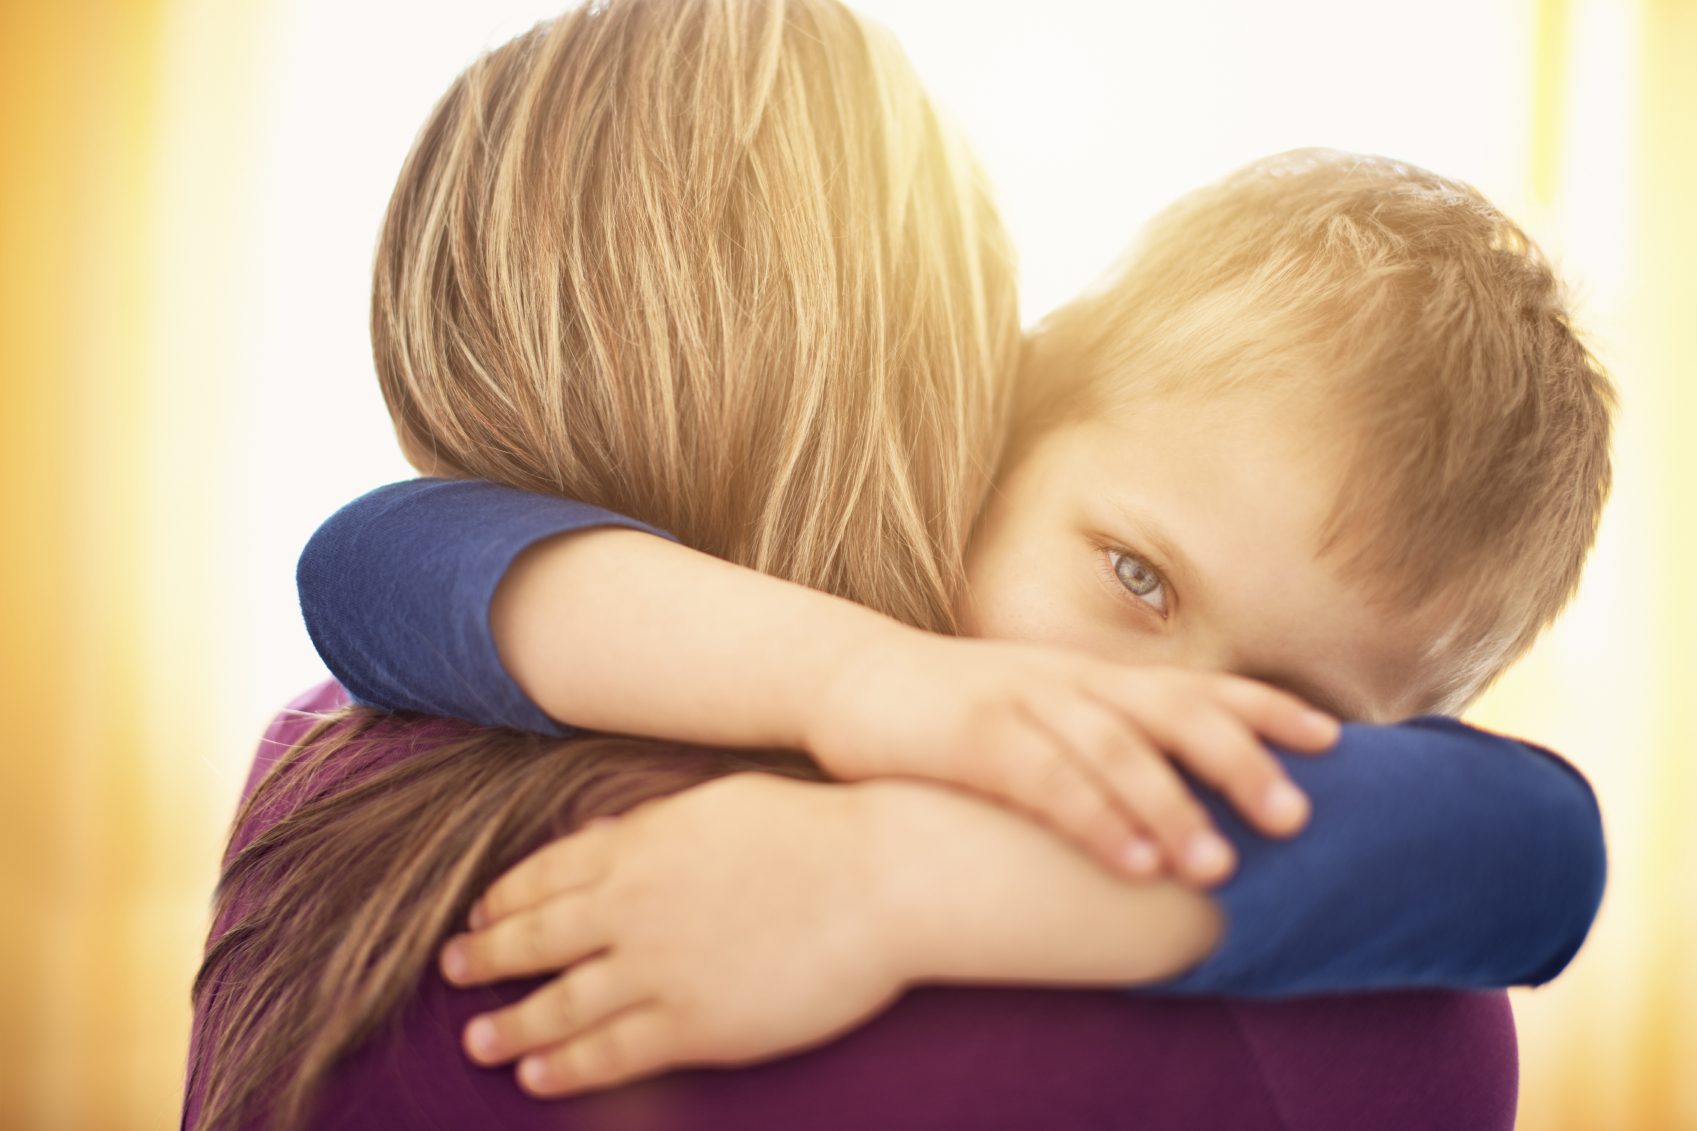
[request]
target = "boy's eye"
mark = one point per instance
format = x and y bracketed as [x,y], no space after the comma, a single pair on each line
[1143,582]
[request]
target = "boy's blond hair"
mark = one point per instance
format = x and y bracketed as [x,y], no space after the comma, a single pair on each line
[1473,421]
[718,265]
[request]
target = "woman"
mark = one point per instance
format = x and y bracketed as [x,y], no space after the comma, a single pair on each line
[594,202]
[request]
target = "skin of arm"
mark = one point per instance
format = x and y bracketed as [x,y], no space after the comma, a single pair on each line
[617,630]
[699,924]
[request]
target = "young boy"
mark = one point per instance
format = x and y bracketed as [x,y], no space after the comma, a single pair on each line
[1326,427]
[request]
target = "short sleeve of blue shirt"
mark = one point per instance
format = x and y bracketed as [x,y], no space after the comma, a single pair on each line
[395,591]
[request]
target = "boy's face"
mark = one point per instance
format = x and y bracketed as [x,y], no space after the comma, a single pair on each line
[1187,534]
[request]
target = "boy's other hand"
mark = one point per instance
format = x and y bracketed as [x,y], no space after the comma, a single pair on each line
[1083,745]
[695,929]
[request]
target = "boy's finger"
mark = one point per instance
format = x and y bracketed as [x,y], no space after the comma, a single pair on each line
[1278,716]
[1037,773]
[636,1043]
[571,862]
[562,1010]
[1142,783]
[1184,717]
[551,936]
[1164,804]
[1220,749]
[1094,742]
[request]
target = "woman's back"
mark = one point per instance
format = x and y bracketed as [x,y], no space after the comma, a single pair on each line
[957,1057]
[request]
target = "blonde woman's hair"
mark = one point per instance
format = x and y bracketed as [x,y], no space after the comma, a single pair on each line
[714,264]
[1429,338]
[718,265]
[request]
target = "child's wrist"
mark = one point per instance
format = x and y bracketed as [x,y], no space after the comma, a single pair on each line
[902,893]
[844,693]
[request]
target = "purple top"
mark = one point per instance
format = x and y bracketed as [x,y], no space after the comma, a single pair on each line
[947,1058]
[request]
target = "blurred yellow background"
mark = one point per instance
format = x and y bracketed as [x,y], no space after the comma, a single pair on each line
[189,193]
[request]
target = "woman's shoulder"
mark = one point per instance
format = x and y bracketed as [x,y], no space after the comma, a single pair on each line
[349,743]
[293,723]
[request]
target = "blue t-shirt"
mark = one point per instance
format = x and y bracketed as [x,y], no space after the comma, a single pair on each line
[1437,854]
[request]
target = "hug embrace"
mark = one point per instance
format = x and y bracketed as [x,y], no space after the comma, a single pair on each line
[794,697]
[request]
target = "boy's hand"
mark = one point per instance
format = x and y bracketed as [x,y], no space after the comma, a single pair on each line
[699,926]
[1083,745]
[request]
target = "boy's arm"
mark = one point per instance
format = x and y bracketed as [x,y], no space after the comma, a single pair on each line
[427,595]
[754,916]
[510,608]
[1439,855]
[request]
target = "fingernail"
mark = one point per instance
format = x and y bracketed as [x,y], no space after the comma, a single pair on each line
[1284,806]
[480,1038]
[1139,857]
[1322,724]
[478,918]
[1208,856]
[534,1074]
[456,966]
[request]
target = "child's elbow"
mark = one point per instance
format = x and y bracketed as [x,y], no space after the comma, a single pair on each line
[1572,863]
